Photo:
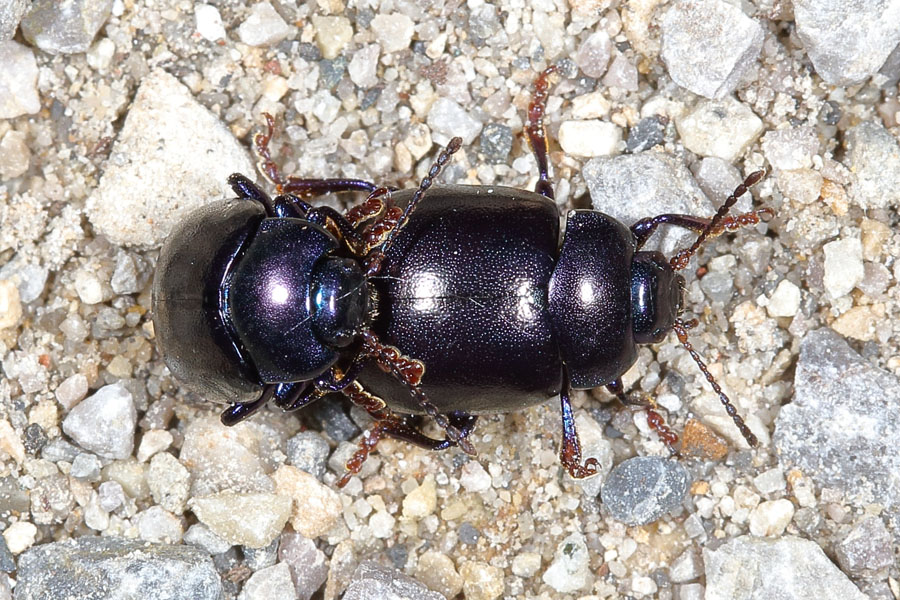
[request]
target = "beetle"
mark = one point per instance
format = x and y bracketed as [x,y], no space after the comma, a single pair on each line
[448,301]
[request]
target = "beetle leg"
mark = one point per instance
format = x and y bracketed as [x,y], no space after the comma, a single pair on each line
[643,229]
[654,419]
[239,411]
[409,372]
[247,190]
[570,452]
[537,136]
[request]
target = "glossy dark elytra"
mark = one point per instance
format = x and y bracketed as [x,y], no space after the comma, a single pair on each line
[448,301]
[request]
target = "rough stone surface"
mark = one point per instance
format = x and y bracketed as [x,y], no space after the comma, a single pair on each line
[263,26]
[873,155]
[117,569]
[847,41]
[18,81]
[570,570]
[167,136]
[633,187]
[642,489]
[722,128]
[308,564]
[708,45]
[866,550]
[371,581]
[65,27]
[836,429]
[10,14]
[790,568]
[252,520]
[104,422]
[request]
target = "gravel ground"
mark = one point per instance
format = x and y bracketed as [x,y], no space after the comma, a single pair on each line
[118,117]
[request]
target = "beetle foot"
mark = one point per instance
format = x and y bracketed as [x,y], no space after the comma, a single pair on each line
[579,471]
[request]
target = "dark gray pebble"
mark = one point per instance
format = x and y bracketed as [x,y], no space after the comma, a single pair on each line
[640,490]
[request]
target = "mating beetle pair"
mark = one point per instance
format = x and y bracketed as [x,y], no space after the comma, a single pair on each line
[449,301]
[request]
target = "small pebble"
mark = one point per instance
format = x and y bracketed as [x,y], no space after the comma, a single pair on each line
[10,14]
[474,478]
[708,45]
[784,301]
[393,31]
[691,591]
[593,55]
[104,422]
[112,496]
[157,525]
[308,565]
[7,560]
[687,567]
[86,467]
[316,507]
[10,305]
[381,523]
[202,536]
[153,441]
[422,501]
[252,520]
[263,26]
[332,34]
[844,267]
[65,27]
[867,550]
[363,66]
[481,581]
[642,489]
[169,482]
[570,570]
[468,534]
[447,119]
[589,138]
[791,148]
[372,581]
[335,422]
[14,155]
[873,156]
[496,143]
[209,22]
[437,571]
[770,519]
[308,451]
[18,81]
[20,536]
[771,481]
[526,564]
[271,583]
[722,128]
[224,458]
[648,133]
[622,74]
[72,390]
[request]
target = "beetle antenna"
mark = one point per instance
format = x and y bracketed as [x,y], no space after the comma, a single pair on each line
[681,259]
[681,330]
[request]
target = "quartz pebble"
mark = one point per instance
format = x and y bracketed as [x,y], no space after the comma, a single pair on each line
[221,457]
[481,581]
[422,501]
[769,519]
[162,572]
[844,267]
[594,444]
[622,74]
[271,583]
[642,489]
[790,568]
[632,187]
[589,138]
[332,34]
[252,520]
[316,507]
[157,525]
[104,422]
[709,45]
[570,570]
[65,27]
[447,119]
[308,565]
[371,581]
[526,564]
[209,22]
[593,55]
[867,549]
[153,441]
[169,482]
[18,81]
[847,43]
[784,301]
[364,65]
[72,390]
[873,156]
[791,148]
[263,26]
[393,31]
[437,571]
[19,536]
[836,430]
[14,155]
[722,128]
[86,467]
[167,136]
[687,567]
[474,478]
[202,536]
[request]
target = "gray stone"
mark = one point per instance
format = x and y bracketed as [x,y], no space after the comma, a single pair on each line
[642,489]
[866,550]
[496,143]
[648,132]
[263,26]
[687,567]
[593,55]
[308,451]
[873,156]
[11,13]
[447,119]
[708,45]
[790,568]
[371,581]
[104,567]
[7,560]
[309,567]
[65,27]
[332,418]
[167,136]
[718,178]
[837,429]
[18,81]
[633,187]
[104,422]
[847,42]
[271,583]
